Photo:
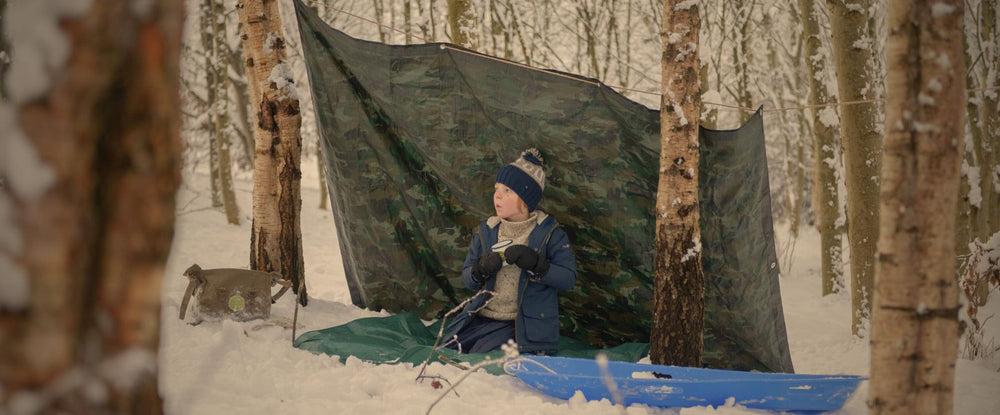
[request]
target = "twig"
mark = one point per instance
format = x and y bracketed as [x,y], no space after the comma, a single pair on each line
[444,320]
[183,210]
[511,356]
[440,378]
[295,318]
[194,210]
[609,381]
[447,360]
[451,387]
[510,353]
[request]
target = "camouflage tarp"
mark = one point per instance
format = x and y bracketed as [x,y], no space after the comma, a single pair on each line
[413,137]
[403,338]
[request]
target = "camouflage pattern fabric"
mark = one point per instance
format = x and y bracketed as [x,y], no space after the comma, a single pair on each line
[403,338]
[413,137]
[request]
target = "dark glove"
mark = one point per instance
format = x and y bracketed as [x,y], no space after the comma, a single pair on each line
[486,267]
[528,260]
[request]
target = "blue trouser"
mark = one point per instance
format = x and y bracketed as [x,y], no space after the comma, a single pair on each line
[483,335]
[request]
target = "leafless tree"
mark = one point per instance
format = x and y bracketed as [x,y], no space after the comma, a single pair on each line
[276,240]
[93,214]
[679,288]
[915,316]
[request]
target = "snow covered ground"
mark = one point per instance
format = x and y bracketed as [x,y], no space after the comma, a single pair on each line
[252,368]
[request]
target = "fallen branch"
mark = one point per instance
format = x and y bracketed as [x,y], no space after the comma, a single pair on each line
[609,381]
[444,322]
[510,352]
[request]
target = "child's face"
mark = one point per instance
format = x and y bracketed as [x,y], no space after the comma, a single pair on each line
[508,204]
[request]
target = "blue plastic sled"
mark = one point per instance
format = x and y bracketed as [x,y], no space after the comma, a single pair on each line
[673,386]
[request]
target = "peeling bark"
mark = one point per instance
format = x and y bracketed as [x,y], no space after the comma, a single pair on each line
[677,332]
[276,243]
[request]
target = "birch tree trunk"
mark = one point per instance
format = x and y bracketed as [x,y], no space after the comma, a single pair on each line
[862,147]
[827,156]
[915,322]
[276,241]
[679,288]
[90,215]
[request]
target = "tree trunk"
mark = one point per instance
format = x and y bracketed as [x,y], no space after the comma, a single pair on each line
[795,189]
[827,157]
[679,289]
[588,22]
[964,225]
[800,186]
[461,20]
[213,159]
[497,32]
[321,167]
[276,242]
[915,322]
[709,116]
[93,217]
[4,51]
[862,147]
[515,28]
[987,215]
[625,57]
[431,21]
[238,82]
[224,170]
[206,17]
[741,57]
[408,22]
[379,10]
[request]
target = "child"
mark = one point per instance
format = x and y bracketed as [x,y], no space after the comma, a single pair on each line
[521,256]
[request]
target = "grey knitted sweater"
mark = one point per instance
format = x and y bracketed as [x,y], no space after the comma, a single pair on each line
[503,306]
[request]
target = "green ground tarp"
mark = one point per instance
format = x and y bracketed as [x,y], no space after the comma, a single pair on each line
[413,136]
[403,338]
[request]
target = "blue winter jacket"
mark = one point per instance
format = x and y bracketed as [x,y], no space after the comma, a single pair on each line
[537,322]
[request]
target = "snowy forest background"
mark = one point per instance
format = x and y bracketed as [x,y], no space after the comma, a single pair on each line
[753,53]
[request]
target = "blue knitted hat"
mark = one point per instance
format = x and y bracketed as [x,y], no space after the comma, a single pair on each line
[525,176]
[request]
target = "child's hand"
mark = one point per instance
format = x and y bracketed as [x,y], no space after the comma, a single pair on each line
[527,259]
[486,267]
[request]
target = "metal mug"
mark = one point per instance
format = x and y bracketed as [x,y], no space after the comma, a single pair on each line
[500,247]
